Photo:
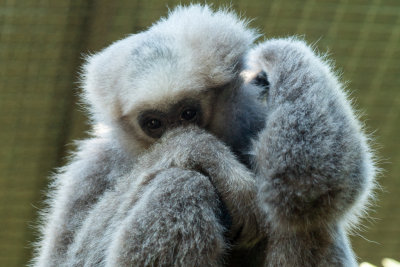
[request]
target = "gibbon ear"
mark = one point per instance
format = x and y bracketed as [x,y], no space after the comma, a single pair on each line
[103,77]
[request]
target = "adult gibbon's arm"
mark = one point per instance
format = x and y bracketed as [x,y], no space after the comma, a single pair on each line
[177,221]
[185,194]
[155,217]
[312,160]
[192,148]
[75,189]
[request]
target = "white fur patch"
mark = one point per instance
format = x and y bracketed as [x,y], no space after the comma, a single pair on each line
[192,49]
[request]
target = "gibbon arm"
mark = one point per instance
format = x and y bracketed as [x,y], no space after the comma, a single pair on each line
[312,160]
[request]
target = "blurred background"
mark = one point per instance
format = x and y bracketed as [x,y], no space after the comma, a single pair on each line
[41,48]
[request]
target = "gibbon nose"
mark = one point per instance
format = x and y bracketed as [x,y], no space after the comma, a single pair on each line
[174,124]
[179,123]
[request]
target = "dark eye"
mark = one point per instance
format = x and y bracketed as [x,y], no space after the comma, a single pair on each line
[188,114]
[153,124]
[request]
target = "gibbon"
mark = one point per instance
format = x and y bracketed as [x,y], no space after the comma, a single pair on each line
[210,150]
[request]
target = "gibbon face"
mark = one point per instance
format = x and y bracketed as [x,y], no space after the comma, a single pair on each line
[155,122]
[232,112]
[172,76]
[148,121]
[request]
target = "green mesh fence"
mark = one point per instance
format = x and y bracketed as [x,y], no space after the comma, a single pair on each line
[41,47]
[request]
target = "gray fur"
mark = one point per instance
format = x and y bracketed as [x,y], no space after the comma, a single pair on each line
[312,163]
[293,174]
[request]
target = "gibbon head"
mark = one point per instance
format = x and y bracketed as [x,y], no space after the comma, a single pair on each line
[183,70]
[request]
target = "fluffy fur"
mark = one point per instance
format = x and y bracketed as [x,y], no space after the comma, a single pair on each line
[256,184]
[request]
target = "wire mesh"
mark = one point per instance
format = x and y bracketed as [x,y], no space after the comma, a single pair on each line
[41,48]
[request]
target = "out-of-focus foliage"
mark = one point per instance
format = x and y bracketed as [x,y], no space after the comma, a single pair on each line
[41,47]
